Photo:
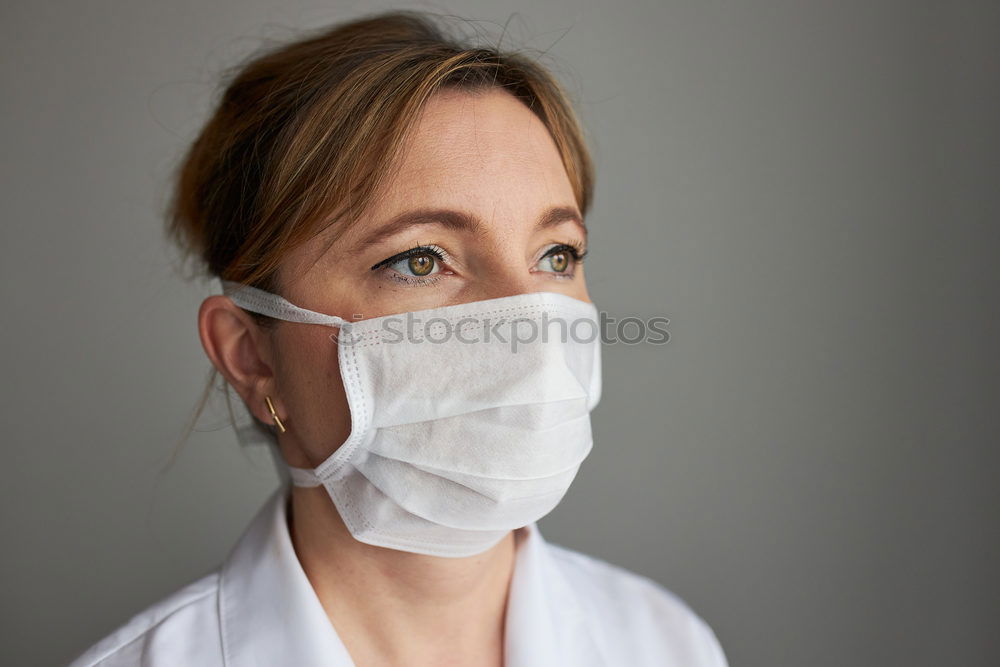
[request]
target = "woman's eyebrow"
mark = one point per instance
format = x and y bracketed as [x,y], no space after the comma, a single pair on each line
[461,221]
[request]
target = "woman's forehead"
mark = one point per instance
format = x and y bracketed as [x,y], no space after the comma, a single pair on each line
[462,137]
[476,151]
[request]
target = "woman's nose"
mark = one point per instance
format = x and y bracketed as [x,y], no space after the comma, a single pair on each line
[503,282]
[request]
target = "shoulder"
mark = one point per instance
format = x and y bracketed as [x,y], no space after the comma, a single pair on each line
[634,613]
[182,628]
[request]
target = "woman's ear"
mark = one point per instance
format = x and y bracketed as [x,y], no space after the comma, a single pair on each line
[239,349]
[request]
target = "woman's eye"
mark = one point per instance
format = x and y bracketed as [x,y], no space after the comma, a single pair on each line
[414,266]
[561,259]
[558,262]
[417,265]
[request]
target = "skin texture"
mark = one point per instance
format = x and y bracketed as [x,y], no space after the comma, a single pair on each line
[485,154]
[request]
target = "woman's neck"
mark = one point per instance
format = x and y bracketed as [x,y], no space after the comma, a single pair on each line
[392,607]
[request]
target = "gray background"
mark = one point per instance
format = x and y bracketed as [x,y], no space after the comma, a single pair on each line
[807,189]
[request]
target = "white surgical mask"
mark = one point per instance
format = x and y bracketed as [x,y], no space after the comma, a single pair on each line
[466,422]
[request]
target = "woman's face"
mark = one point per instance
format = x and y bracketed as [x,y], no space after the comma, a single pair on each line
[497,217]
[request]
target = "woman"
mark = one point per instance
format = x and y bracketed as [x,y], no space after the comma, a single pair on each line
[416,204]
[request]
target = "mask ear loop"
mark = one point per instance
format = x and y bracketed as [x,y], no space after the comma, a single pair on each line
[265,303]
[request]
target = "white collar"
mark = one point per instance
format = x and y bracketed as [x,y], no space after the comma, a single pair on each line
[270,614]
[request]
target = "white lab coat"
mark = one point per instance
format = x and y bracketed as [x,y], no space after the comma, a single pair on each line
[259,610]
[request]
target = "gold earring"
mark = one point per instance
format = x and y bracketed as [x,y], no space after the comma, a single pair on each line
[274,414]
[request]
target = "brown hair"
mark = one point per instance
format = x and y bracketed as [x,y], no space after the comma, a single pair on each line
[305,134]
